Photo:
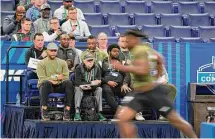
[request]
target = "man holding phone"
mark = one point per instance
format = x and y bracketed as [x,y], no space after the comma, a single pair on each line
[88,80]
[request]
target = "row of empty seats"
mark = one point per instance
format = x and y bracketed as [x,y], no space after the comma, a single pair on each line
[149,19]
[205,32]
[131,7]
[104,6]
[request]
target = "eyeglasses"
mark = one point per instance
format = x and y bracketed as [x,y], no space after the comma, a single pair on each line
[65,39]
[89,60]
[53,50]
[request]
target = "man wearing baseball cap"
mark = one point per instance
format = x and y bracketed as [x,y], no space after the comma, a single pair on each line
[62,12]
[88,73]
[42,24]
[53,76]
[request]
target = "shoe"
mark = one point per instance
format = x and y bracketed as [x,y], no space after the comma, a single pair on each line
[66,115]
[162,118]
[139,117]
[77,117]
[101,117]
[45,115]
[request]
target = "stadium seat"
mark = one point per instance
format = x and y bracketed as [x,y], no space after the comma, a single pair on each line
[54,5]
[209,7]
[7,5]
[188,7]
[86,6]
[164,39]
[191,40]
[4,14]
[132,7]
[154,30]
[206,32]
[118,19]
[95,30]
[112,40]
[122,29]
[171,19]
[199,19]
[158,7]
[110,6]
[94,18]
[144,19]
[180,31]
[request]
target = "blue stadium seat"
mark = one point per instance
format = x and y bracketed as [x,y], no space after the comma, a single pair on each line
[87,6]
[118,19]
[199,19]
[209,7]
[112,40]
[110,6]
[171,19]
[54,5]
[188,7]
[122,29]
[7,5]
[158,7]
[191,40]
[132,7]
[164,39]
[96,29]
[4,14]
[154,30]
[144,19]
[206,32]
[180,31]
[94,18]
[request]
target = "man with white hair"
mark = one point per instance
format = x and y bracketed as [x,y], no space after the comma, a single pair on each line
[102,41]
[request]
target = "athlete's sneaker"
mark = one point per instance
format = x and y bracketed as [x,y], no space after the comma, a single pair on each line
[45,114]
[66,115]
[139,117]
[77,117]
[101,117]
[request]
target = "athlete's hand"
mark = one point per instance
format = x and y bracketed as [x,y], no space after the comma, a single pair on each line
[125,88]
[112,83]
[116,64]
[60,77]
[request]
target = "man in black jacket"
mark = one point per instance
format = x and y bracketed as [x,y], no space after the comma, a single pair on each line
[37,51]
[88,79]
[114,82]
[67,53]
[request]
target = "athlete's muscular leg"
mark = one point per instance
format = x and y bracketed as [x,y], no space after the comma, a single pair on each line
[126,128]
[177,121]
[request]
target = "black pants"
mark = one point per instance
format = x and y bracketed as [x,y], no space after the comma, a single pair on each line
[110,93]
[65,87]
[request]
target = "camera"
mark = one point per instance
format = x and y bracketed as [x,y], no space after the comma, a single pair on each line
[210,118]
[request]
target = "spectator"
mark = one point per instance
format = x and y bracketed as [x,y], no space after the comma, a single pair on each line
[125,54]
[53,76]
[53,34]
[92,48]
[62,12]
[72,45]
[12,23]
[102,41]
[88,73]
[26,3]
[37,51]
[33,13]
[75,26]
[25,33]
[66,53]
[114,82]
[42,24]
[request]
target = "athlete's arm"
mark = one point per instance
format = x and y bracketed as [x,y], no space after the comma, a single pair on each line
[139,67]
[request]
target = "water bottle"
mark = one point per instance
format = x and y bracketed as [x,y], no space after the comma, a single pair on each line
[17,99]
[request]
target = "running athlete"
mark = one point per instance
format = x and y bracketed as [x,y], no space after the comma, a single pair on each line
[147,66]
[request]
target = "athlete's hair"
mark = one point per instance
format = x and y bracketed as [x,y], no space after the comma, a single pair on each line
[137,33]
[110,47]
